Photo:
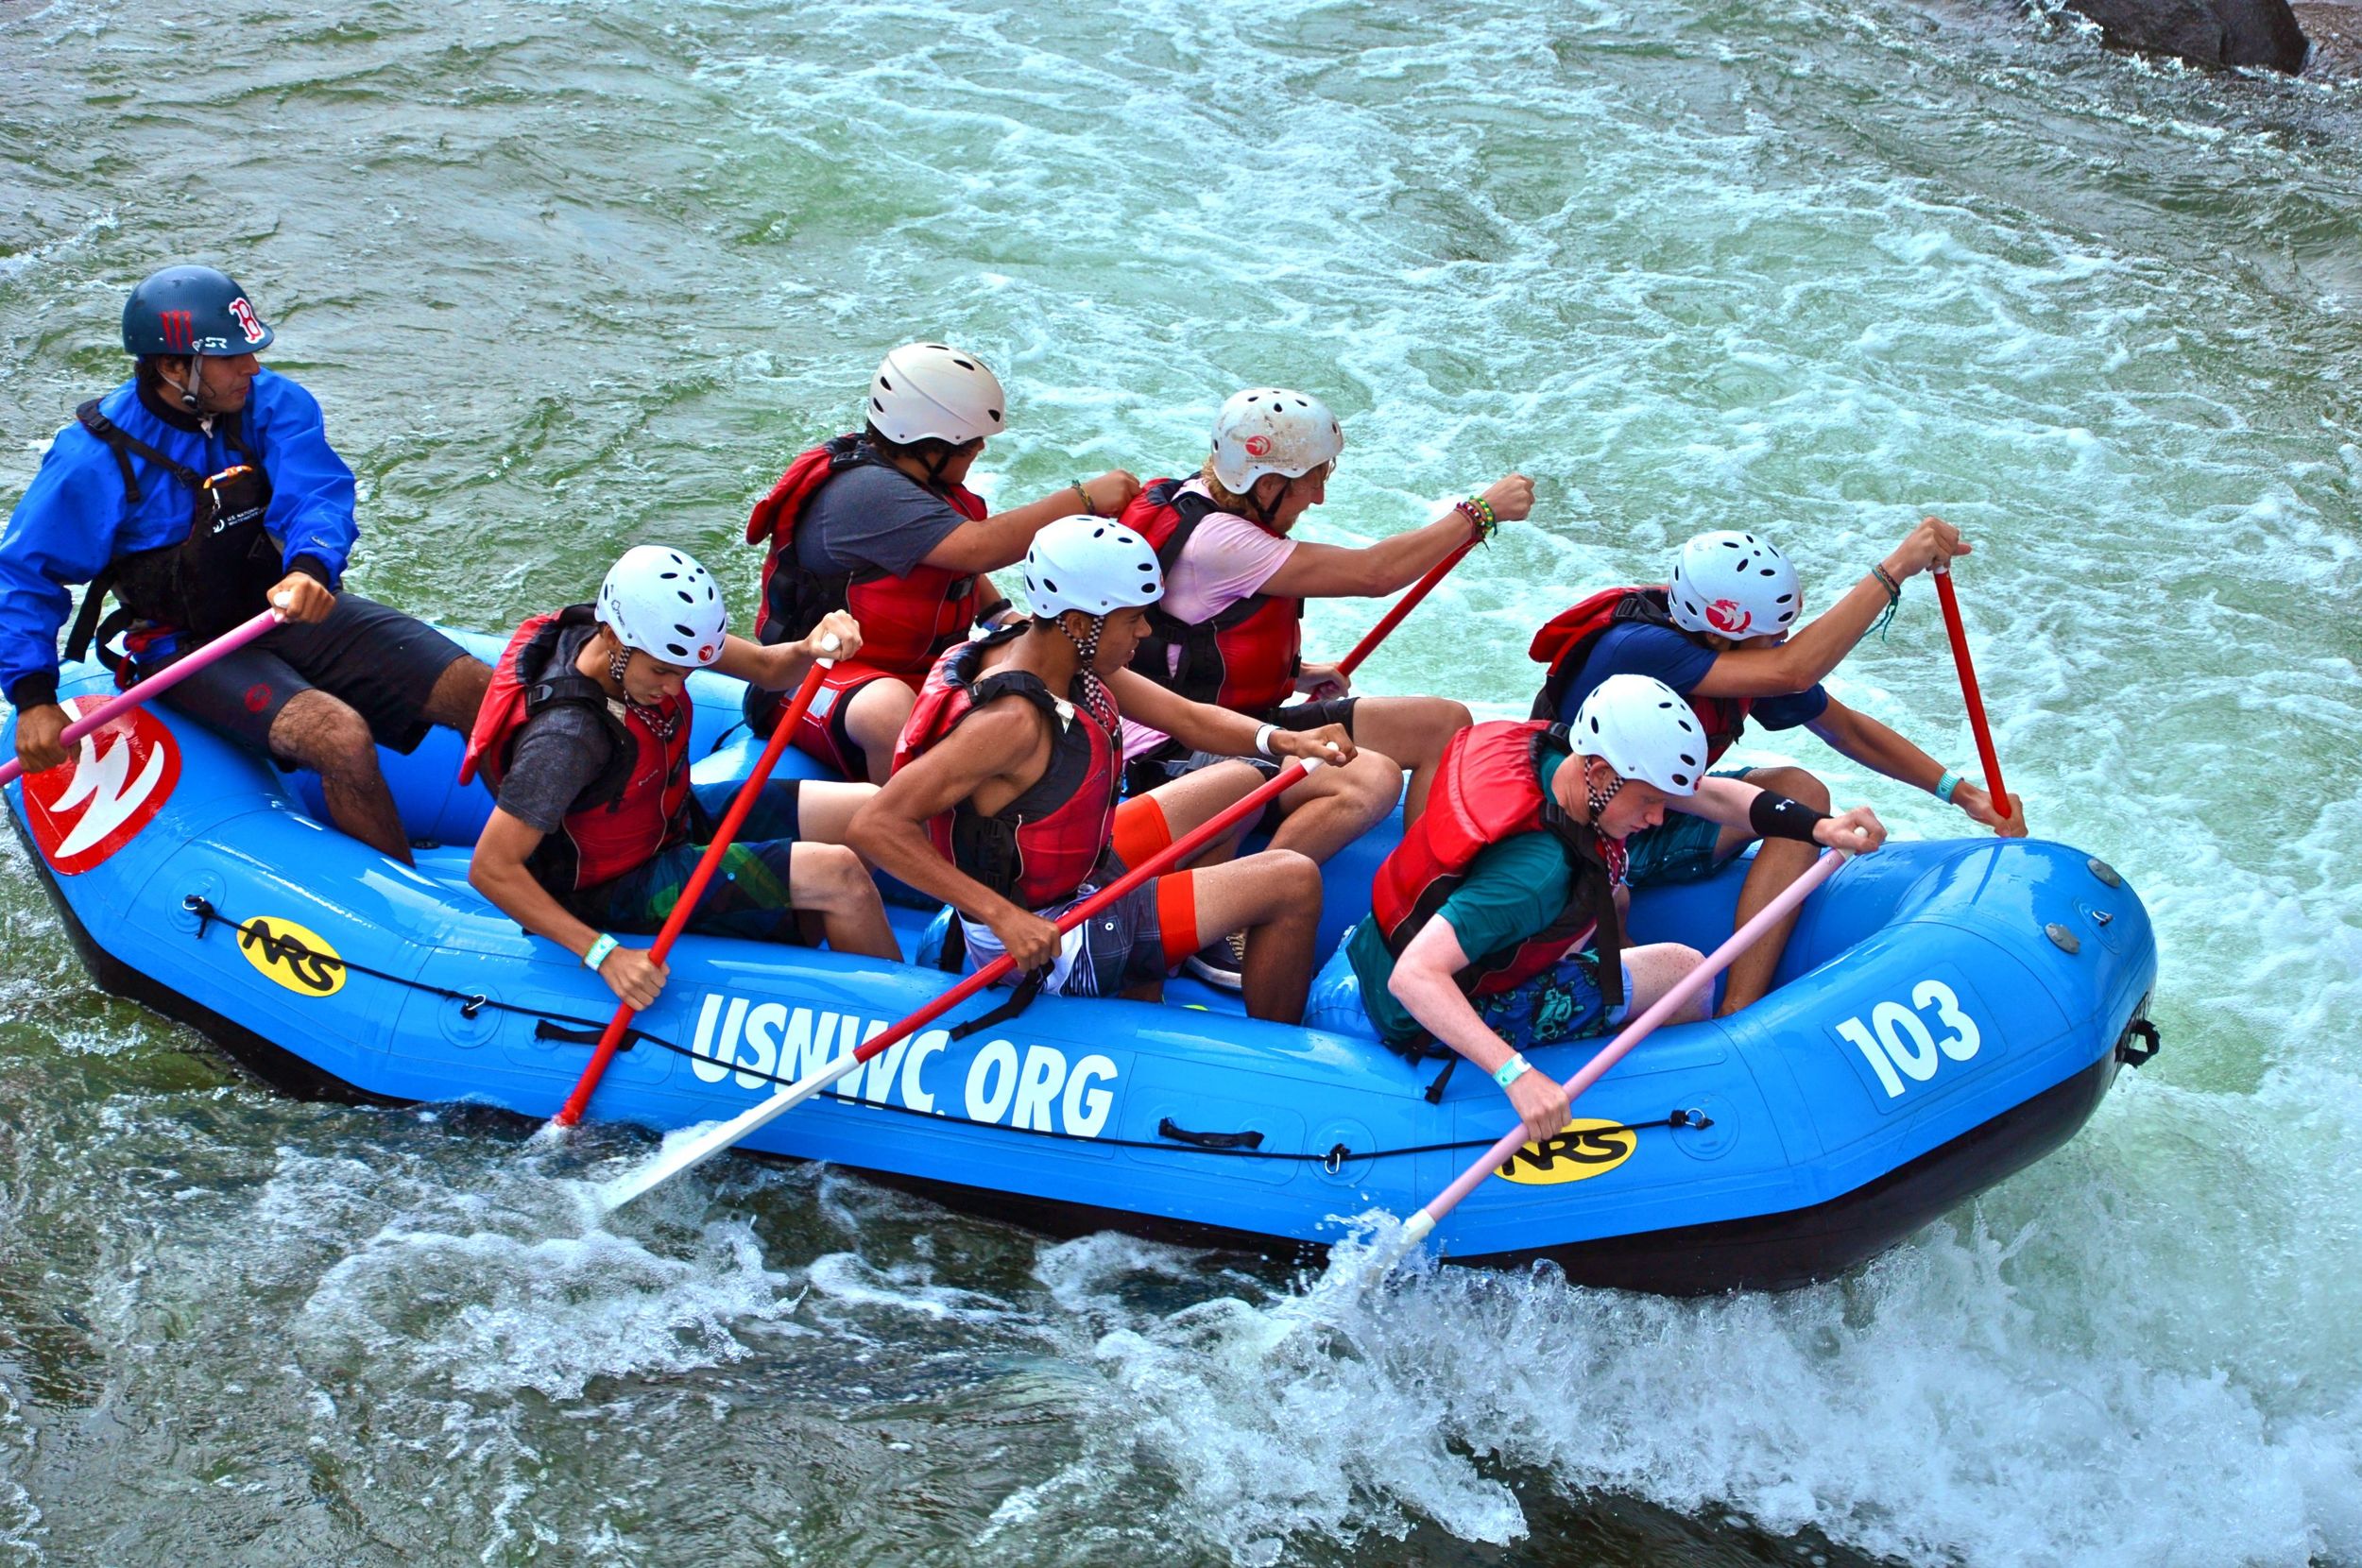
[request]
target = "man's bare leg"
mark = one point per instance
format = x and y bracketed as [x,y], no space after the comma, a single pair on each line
[829,881]
[459,692]
[1413,731]
[1338,805]
[325,735]
[824,809]
[1275,898]
[1778,863]
[874,718]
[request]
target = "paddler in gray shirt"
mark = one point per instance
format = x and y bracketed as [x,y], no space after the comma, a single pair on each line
[584,738]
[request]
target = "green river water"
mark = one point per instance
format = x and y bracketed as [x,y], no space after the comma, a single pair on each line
[575,274]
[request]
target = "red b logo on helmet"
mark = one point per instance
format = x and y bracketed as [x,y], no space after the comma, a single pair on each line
[1259,445]
[1729,617]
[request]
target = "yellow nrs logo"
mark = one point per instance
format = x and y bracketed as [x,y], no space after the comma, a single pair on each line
[295,956]
[1584,1149]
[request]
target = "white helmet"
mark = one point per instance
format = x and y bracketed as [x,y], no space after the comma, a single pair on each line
[929,391]
[1734,584]
[1271,430]
[1644,729]
[1091,564]
[665,604]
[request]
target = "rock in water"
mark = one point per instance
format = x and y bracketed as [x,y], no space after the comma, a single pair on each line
[2334,27]
[2212,32]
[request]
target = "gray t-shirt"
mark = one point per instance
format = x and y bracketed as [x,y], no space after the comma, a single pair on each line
[559,753]
[873,517]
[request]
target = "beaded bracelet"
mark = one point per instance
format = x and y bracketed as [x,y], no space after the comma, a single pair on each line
[1894,599]
[1479,511]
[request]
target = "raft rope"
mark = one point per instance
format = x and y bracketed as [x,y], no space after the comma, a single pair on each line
[1175,1139]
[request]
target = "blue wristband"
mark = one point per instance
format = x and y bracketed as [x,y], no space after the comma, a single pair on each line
[1512,1070]
[598,950]
[1945,786]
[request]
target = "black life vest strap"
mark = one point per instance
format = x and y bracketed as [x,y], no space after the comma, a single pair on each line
[1166,631]
[559,685]
[1021,997]
[986,846]
[123,444]
[88,629]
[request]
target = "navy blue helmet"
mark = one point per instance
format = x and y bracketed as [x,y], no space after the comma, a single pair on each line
[191,309]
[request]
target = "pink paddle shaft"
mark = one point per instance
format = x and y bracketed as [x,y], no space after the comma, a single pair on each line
[609,1042]
[161,681]
[1985,754]
[1635,1031]
[1402,607]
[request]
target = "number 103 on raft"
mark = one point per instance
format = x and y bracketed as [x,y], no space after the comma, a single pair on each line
[1909,1044]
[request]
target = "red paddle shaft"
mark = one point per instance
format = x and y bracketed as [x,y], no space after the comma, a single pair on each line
[618,1026]
[1985,754]
[1402,607]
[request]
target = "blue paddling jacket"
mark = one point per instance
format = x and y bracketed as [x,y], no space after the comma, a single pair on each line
[78,516]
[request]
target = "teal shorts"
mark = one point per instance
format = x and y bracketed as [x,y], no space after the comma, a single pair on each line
[1679,849]
[1560,1004]
[747,898]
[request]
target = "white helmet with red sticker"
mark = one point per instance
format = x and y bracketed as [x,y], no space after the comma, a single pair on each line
[1732,584]
[665,604]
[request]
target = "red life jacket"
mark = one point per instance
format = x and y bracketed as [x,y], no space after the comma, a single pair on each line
[1041,846]
[906,622]
[1488,788]
[1565,643]
[1246,658]
[638,805]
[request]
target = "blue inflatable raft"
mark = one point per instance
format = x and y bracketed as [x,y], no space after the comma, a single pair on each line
[1948,1012]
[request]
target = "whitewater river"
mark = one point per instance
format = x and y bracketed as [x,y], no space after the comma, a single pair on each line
[572,276]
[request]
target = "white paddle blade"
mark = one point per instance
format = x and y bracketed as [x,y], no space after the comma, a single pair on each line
[690,1148]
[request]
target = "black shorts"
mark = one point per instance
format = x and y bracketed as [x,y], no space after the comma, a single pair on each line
[382,662]
[1172,759]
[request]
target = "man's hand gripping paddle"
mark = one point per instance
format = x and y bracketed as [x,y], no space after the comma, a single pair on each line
[617,1027]
[683,1152]
[156,685]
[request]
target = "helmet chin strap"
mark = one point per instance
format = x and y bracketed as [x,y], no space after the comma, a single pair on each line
[656,718]
[189,391]
[1600,799]
[1095,693]
[1268,516]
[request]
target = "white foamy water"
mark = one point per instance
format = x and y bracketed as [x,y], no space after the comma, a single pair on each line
[569,276]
